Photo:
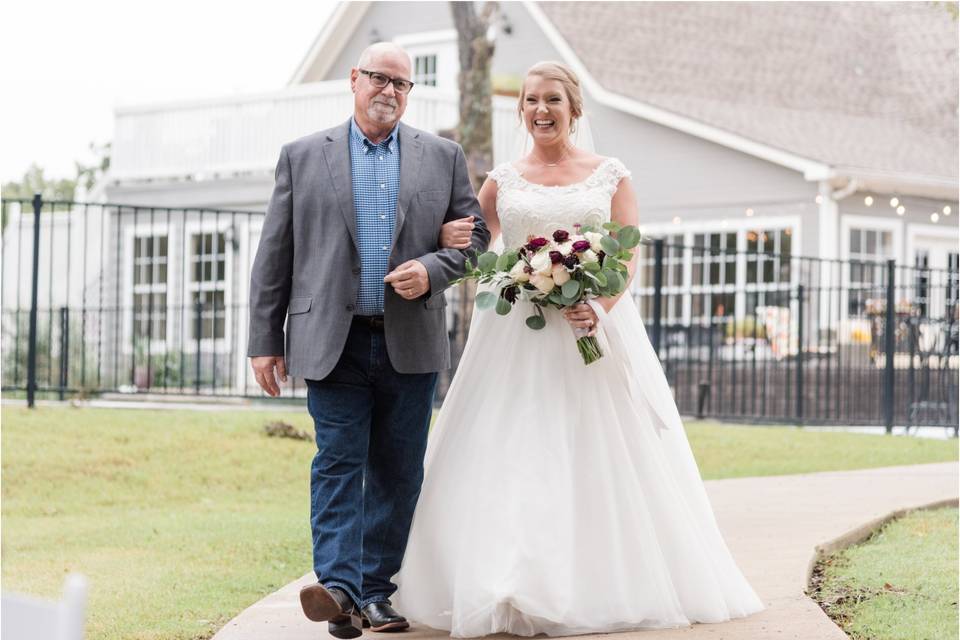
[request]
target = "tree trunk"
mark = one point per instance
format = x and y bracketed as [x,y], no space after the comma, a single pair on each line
[475,129]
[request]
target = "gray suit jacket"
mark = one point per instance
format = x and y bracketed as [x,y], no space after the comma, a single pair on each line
[307,268]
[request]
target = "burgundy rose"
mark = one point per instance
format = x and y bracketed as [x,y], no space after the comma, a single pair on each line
[580,246]
[560,235]
[510,294]
[537,243]
[556,257]
[571,261]
[528,269]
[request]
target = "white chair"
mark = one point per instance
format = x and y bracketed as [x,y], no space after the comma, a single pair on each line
[29,618]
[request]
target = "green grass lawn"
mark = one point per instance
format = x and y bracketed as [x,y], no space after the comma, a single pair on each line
[181,519]
[901,584]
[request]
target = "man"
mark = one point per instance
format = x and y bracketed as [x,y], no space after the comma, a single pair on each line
[348,254]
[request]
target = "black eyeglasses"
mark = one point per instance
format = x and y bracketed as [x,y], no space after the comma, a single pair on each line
[380,80]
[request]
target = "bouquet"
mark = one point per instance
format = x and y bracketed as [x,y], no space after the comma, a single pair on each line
[558,272]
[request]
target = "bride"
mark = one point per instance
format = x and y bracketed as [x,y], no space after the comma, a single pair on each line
[560,498]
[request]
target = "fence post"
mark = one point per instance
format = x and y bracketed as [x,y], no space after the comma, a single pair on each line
[890,345]
[657,292]
[800,355]
[64,349]
[199,329]
[32,341]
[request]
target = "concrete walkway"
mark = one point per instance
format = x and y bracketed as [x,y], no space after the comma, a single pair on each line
[772,525]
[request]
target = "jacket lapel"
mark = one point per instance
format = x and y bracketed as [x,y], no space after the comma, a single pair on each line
[336,153]
[411,154]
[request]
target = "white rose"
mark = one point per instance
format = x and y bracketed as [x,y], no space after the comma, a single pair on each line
[517,272]
[588,256]
[594,239]
[542,282]
[541,263]
[560,274]
[565,247]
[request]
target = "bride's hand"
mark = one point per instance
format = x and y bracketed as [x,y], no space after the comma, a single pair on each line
[456,234]
[582,316]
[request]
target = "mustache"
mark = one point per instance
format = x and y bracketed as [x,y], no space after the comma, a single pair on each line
[389,103]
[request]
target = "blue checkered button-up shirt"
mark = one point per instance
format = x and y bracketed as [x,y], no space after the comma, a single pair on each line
[376,181]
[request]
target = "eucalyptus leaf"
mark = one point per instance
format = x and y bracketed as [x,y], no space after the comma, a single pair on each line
[600,278]
[571,289]
[610,246]
[616,283]
[629,237]
[485,300]
[592,267]
[612,226]
[536,322]
[503,307]
[487,261]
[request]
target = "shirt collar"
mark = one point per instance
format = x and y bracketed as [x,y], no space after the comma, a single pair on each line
[390,141]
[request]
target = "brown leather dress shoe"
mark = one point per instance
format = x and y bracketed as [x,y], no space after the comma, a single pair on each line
[334,606]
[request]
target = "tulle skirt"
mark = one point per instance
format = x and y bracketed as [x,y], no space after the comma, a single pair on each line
[561,498]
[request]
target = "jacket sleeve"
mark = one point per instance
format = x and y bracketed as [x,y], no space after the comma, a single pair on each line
[445,265]
[272,272]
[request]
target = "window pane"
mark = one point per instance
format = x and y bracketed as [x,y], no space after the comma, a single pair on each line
[854,240]
[785,241]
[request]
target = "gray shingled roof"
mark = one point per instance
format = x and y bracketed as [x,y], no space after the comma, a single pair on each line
[868,85]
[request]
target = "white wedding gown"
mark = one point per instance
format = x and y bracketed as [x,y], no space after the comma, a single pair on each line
[560,498]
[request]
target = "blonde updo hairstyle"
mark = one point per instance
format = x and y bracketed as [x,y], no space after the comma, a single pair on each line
[571,84]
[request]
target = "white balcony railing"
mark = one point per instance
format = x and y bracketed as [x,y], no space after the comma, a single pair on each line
[243,134]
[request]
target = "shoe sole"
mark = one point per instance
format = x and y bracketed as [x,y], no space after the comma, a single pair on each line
[318,605]
[390,627]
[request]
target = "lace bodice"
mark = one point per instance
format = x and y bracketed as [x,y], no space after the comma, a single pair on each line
[526,208]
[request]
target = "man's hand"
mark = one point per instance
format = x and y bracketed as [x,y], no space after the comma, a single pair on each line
[457,234]
[263,367]
[410,280]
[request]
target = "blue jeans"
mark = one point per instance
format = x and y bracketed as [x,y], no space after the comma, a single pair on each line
[371,430]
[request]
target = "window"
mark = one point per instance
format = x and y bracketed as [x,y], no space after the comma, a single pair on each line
[768,256]
[672,279]
[150,260]
[767,278]
[208,285]
[868,250]
[425,70]
[714,274]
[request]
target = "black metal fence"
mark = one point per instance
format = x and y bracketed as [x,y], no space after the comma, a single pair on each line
[101,298]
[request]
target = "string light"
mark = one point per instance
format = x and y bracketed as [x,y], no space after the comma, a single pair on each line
[818,199]
[676,219]
[901,210]
[934,216]
[894,202]
[868,201]
[749,212]
[946,209]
